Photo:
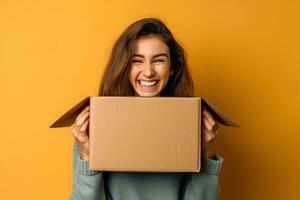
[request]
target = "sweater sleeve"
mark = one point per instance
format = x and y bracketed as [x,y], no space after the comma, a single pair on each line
[205,184]
[87,184]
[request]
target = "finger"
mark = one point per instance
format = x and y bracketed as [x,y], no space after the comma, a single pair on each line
[82,119]
[84,126]
[209,117]
[87,108]
[207,135]
[214,128]
[207,124]
[75,132]
[79,136]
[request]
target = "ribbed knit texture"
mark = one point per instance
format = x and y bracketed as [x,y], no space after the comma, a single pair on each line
[212,166]
[98,185]
[83,167]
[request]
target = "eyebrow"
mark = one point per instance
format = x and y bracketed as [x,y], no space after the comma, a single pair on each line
[157,55]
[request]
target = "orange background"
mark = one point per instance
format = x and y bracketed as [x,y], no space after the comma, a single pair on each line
[243,55]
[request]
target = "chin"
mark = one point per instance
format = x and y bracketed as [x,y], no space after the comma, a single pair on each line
[147,94]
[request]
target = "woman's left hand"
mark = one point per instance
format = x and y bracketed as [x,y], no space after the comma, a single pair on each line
[209,129]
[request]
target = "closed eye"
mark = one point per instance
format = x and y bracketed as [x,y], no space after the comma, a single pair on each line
[160,60]
[136,61]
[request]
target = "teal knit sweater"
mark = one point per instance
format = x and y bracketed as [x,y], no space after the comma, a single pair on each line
[97,185]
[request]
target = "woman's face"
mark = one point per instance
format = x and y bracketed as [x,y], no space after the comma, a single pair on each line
[150,66]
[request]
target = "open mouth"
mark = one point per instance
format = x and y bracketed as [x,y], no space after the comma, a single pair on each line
[148,85]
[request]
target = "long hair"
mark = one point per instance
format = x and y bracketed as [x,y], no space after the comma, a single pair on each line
[115,80]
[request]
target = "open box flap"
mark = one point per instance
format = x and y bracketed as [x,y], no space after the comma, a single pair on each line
[219,116]
[69,117]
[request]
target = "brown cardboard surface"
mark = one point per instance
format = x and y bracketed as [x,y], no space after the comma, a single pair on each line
[69,117]
[148,134]
[156,134]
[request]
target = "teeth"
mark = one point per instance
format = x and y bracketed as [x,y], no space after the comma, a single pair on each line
[148,83]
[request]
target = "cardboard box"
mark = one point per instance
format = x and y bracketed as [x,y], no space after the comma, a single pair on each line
[144,134]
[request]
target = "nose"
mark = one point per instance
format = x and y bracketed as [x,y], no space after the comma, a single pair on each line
[148,70]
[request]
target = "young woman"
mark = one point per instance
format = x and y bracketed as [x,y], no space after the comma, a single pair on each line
[146,61]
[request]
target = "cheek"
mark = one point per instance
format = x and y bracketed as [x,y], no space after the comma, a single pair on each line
[164,72]
[133,74]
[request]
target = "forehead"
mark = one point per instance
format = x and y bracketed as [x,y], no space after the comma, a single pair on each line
[150,45]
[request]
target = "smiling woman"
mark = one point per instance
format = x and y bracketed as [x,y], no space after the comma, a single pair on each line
[146,61]
[150,66]
[147,50]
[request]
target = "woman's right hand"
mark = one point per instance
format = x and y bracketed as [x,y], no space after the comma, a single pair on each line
[81,134]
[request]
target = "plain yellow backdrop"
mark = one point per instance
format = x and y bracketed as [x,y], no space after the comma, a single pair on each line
[243,56]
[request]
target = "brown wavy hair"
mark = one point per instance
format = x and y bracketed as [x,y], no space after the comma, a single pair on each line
[115,80]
